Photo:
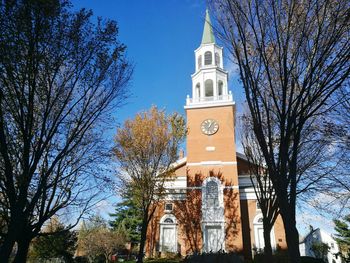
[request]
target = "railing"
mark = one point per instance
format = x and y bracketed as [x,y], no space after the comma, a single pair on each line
[208,100]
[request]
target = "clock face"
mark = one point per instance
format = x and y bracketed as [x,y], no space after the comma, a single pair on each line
[209,126]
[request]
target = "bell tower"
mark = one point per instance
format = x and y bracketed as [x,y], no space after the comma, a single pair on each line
[209,82]
[211,148]
[211,110]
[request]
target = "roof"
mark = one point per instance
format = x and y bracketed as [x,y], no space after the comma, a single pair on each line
[208,35]
[179,163]
[241,156]
[303,238]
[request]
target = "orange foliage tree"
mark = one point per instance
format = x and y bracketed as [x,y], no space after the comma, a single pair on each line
[145,148]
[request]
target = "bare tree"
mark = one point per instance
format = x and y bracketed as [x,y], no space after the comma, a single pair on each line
[292,56]
[60,76]
[338,129]
[146,148]
[315,167]
[263,188]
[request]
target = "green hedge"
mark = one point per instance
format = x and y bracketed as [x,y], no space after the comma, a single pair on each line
[214,257]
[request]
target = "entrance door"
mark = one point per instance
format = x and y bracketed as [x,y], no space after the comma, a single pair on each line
[259,234]
[260,243]
[168,239]
[214,240]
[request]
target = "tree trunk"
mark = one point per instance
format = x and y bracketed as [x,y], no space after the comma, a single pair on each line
[143,240]
[292,235]
[267,240]
[22,251]
[129,251]
[6,248]
[9,242]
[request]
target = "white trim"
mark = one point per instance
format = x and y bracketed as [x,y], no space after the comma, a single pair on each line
[179,193]
[217,212]
[175,182]
[247,194]
[257,218]
[208,44]
[174,197]
[231,187]
[210,148]
[209,105]
[176,178]
[220,191]
[246,180]
[205,226]
[206,163]
[171,216]
[168,225]
[201,187]
[178,162]
[209,68]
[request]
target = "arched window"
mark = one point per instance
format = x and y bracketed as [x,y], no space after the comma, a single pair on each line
[217,59]
[199,62]
[212,193]
[208,58]
[169,221]
[209,92]
[168,234]
[198,90]
[220,88]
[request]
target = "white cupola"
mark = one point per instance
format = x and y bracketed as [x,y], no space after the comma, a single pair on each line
[209,82]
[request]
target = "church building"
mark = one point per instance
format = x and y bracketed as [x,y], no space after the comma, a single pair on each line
[210,205]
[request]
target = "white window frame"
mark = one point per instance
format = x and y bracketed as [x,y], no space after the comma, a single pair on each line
[258,208]
[258,225]
[168,210]
[208,58]
[218,222]
[163,225]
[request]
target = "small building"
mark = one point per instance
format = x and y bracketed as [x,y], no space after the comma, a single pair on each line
[210,205]
[318,237]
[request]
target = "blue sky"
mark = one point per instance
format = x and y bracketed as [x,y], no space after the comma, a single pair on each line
[161,36]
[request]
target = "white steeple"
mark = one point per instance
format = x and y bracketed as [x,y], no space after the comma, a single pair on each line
[209,82]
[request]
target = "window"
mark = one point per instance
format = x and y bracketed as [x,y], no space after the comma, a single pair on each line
[208,58]
[168,234]
[212,194]
[169,221]
[199,62]
[258,206]
[209,88]
[220,87]
[217,59]
[198,90]
[169,207]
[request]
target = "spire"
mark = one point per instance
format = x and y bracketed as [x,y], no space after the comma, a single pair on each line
[208,35]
